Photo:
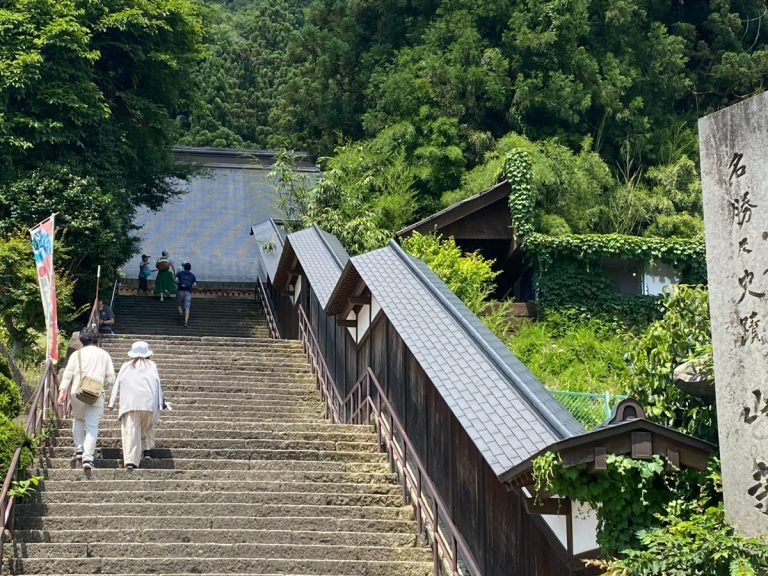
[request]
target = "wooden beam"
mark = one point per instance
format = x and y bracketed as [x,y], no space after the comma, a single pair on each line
[673,459]
[551,506]
[642,445]
[599,464]
[347,323]
[360,300]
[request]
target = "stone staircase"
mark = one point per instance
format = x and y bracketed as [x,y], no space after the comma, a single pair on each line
[248,477]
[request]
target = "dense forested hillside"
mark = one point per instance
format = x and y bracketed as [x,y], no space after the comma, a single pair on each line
[631,75]
[417,100]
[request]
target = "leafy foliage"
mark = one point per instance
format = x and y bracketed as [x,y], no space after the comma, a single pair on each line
[701,543]
[12,436]
[579,355]
[20,309]
[469,276]
[682,333]
[363,197]
[627,497]
[89,95]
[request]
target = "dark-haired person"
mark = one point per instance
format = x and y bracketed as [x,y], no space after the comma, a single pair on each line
[106,317]
[144,273]
[96,363]
[185,281]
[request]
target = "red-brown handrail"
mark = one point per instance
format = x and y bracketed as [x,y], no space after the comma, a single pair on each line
[323,378]
[267,307]
[42,406]
[432,515]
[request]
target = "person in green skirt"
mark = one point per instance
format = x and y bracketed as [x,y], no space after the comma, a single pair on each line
[166,272]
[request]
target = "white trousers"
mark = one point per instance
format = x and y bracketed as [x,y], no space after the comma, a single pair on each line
[85,425]
[138,431]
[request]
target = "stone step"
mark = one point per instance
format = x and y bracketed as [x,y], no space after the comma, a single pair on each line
[221,486]
[224,551]
[49,499]
[163,434]
[384,537]
[124,565]
[194,469]
[234,525]
[251,405]
[202,427]
[212,343]
[213,509]
[207,454]
[164,446]
[225,465]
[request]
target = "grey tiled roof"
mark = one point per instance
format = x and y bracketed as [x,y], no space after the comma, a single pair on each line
[506,411]
[265,234]
[322,257]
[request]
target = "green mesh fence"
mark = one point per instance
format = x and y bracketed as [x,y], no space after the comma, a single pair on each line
[590,409]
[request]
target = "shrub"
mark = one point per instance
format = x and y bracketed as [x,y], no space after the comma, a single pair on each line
[12,436]
[469,275]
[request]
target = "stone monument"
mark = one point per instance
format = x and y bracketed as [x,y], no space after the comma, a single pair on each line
[734,177]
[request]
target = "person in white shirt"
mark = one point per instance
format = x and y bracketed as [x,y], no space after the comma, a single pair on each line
[141,399]
[96,363]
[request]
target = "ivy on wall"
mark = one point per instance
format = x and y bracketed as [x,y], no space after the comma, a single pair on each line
[568,267]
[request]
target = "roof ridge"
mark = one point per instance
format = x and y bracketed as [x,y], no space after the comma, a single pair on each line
[321,233]
[277,231]
[533,401]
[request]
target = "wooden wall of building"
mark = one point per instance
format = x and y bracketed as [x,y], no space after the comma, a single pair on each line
[503,537]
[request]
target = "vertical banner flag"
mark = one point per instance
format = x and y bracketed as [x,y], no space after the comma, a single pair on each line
[42,245]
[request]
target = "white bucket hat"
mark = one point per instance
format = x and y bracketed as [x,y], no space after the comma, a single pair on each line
[140,349]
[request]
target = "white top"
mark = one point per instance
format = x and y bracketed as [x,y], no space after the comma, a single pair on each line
[139,388]
[95,362]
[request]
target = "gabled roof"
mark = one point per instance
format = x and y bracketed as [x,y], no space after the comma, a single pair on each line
[506,411]
[270,237]
[457,211]
[319,254]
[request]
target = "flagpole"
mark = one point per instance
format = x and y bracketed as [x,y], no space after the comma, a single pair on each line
[41,221]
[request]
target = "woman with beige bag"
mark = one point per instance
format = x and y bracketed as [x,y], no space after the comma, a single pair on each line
[141,399]
[88,371]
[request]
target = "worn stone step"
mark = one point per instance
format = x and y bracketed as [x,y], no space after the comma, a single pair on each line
[234,524]
[267,470]
[161,454]
[220,509]
[224,404]
[125,565]
[221,486]
[110,431]
[203,342]
[385,537]
[223,465]
[48,498]
[168,445]
[202,427]
[222,551]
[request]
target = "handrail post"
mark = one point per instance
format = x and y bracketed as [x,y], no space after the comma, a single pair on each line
[435,537]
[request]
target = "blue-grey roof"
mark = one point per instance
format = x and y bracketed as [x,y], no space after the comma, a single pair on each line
[322,258]
[270,238]
[506,411]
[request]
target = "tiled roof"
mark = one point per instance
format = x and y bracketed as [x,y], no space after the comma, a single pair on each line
[270,238]
[505,410]
[321,256]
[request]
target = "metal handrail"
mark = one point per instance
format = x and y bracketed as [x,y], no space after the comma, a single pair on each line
[43,405]
[115,292]
[432,514]
[274,332]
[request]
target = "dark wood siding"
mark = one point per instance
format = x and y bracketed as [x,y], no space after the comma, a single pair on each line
[503,537]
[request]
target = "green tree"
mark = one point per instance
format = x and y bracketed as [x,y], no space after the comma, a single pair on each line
[88,96]
[468,275]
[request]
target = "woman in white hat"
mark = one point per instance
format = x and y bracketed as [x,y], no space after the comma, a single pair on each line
[141,399]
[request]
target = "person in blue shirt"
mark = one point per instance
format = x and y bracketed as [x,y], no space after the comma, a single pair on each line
[185,281]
